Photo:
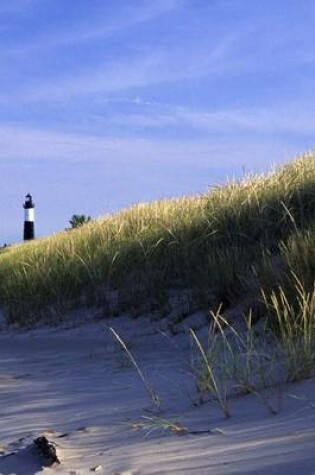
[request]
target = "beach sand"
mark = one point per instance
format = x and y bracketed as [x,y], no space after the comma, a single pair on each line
[76,386]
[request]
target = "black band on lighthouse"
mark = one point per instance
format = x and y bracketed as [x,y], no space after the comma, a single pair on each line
[29,230]
[29,218]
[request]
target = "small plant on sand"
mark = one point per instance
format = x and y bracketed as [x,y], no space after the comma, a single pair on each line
[233,362]
[150,424]
[147,384]
[207,378]
[294,324]
[259,362]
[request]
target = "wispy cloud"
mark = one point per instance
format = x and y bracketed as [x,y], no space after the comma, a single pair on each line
[155,65]
[128,17]
[217,53]
[141,71]
[158,62]
[37,144]
[107,78]
[91,29]
[272,119]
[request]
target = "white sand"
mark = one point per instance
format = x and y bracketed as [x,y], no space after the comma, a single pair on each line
[78,383]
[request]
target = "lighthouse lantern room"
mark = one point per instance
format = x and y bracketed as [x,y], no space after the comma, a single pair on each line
[29,218]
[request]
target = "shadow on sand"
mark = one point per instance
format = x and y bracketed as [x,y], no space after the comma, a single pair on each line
[26,461]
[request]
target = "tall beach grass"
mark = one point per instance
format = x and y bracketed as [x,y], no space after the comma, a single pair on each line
[221,246]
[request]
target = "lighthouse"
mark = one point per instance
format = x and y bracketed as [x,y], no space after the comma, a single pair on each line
[29,227]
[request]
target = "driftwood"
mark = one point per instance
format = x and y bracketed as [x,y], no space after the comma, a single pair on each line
[47,449]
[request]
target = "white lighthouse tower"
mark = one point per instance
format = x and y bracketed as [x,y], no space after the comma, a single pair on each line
[29,218]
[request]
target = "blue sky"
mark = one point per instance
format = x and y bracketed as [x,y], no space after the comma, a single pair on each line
[105,103]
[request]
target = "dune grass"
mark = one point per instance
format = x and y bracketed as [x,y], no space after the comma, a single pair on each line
[146,382]
[250,361]
[221,246]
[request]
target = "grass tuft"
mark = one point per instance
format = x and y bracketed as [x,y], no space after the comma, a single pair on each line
[147,384]
[248,361]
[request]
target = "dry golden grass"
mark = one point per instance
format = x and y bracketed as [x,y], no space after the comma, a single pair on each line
[215,245]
